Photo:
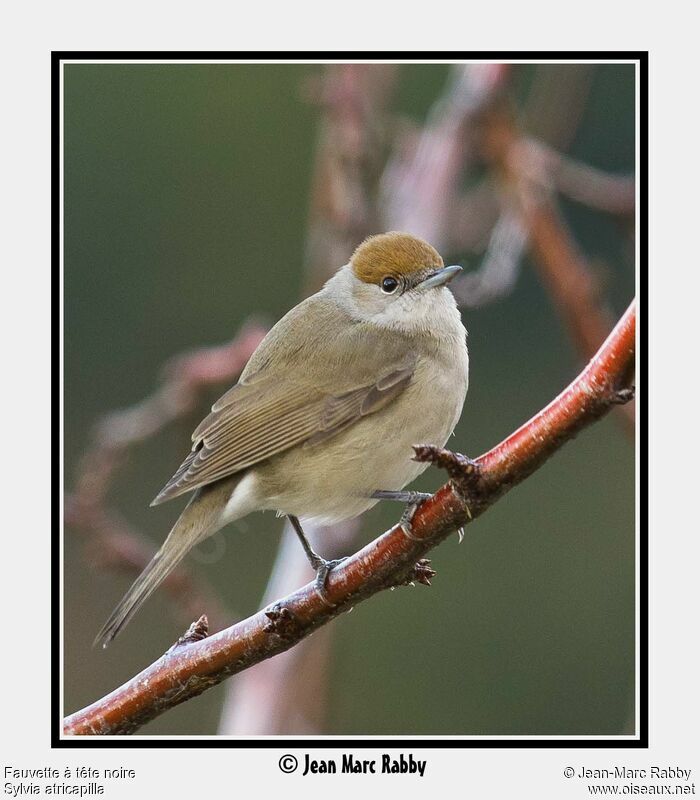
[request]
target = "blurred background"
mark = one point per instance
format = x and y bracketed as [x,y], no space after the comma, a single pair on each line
[201,203]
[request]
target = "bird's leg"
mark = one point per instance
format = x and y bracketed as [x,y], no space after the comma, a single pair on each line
[412,500]
[318,563]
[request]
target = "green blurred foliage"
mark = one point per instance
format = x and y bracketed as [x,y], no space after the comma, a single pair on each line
[186,197]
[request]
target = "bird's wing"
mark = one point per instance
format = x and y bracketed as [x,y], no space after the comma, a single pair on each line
[273,409]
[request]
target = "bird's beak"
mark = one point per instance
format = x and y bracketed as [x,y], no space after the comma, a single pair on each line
[440,278]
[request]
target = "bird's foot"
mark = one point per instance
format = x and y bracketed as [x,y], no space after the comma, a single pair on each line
[318,563]
[323,569]
[412,500]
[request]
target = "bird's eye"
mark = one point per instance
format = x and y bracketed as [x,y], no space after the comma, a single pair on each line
[389,284]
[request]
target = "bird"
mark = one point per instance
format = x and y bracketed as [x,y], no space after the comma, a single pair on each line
[322,421]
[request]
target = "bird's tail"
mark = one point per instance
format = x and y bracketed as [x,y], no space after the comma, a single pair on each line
[201,518]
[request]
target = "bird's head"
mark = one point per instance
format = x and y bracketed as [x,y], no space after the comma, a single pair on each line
[397,280]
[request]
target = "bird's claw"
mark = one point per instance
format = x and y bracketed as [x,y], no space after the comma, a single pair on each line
[323,569]
[412,499]
[406,521]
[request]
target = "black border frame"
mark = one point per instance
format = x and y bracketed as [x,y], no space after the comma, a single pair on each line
[642,364]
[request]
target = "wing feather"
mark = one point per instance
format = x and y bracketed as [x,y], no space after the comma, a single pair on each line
[262,415]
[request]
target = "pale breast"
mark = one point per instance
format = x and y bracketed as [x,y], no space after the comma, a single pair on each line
[334,480]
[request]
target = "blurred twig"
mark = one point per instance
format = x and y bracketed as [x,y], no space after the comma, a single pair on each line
[421,183]
[287,694]
[110,542]
[193,664]
[499,268]
[349,160]
[572,283]
[613,194]
[529,169]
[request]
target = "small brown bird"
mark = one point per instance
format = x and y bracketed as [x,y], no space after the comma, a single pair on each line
[321,424]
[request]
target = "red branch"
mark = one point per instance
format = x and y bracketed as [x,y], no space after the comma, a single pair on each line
[526,170]
[394,558]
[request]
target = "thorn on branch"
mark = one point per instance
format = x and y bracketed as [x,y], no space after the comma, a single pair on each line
[420,572]
[195,633]
[423,572]
[622,396]
[282,622]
